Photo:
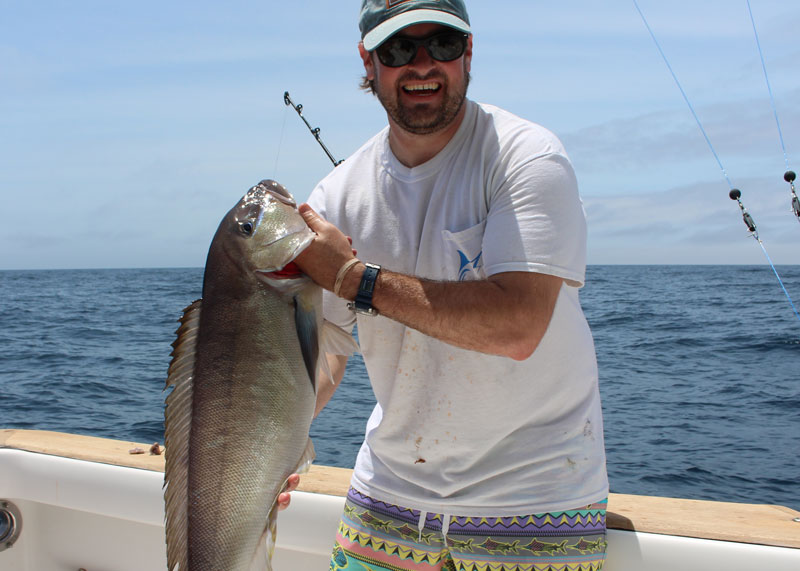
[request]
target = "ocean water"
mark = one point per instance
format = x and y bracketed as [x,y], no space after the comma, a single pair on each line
[699,370]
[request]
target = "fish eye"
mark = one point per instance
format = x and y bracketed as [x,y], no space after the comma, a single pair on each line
[246,228]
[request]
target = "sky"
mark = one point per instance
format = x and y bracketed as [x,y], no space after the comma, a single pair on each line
[128,130]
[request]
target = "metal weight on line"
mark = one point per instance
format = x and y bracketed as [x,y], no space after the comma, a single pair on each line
[736,195]
[789,177]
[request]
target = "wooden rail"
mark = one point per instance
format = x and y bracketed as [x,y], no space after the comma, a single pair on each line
[745,523]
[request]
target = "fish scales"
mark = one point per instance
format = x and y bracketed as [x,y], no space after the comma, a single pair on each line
[240,428]
[243,373]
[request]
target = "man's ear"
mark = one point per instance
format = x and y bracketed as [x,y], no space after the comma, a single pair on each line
[366,58]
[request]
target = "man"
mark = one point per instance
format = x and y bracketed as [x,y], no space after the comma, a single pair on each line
[485,446]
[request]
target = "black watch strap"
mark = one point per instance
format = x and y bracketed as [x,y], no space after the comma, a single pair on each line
[363,301]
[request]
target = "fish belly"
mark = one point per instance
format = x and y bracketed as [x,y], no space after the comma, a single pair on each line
[250,424]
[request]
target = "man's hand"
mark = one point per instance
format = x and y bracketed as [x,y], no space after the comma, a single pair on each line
[284,498]
[329,251]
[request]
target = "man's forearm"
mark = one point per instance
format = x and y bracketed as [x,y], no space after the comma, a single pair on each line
[506,314]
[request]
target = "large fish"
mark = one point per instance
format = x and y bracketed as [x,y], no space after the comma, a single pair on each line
[244,373]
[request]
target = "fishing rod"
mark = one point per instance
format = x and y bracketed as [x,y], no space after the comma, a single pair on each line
[314,131]
[735,193]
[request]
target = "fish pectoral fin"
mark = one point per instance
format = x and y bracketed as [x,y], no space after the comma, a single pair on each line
[307,325]
[334,341]
[306,459]
[337,341]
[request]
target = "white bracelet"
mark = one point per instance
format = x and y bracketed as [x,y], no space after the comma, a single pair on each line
[342,273]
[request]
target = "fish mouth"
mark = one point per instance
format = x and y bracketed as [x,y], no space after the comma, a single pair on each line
[288,272]
[295,243]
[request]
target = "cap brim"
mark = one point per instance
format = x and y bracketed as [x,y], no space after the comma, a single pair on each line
[387,29]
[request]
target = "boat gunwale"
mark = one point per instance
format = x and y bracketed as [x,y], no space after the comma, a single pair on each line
[759,524]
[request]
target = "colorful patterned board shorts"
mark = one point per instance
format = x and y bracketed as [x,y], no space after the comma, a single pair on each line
[376,536]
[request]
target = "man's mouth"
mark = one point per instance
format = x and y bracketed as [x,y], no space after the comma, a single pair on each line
[422,88]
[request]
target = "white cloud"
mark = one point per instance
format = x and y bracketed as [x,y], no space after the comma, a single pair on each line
[694,224]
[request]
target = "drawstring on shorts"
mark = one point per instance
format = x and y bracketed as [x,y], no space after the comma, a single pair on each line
[421,524]
[445,527]
[423,516]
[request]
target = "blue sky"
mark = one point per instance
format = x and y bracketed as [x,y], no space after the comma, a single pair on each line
[127,130]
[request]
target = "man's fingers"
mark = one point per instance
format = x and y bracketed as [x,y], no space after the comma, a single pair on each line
[292,483]
[285,498]
[312,218]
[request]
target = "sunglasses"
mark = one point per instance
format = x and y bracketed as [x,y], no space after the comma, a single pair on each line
[398,51]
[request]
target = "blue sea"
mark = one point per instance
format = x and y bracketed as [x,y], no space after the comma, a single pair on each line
[699,370]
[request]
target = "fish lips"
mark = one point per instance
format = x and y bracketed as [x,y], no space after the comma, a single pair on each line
[294,244]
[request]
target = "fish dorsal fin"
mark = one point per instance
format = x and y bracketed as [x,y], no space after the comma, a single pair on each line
[177,423]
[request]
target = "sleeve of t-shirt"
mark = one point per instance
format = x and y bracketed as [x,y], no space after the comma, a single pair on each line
[536,221]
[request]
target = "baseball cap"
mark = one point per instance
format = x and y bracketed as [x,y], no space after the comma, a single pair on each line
[381,19]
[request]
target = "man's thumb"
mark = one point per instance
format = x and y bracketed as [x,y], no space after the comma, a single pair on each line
[311,218]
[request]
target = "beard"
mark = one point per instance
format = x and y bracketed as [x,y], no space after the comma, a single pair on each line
[423,118]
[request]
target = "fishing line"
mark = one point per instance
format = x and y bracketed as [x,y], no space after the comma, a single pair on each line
[788,176]
[685,97]
[769,87]
[735,194]
[780,281]
[280,145]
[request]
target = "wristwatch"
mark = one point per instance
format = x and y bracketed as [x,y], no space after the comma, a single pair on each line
[363,301]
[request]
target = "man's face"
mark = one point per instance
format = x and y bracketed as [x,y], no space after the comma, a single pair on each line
[426,95]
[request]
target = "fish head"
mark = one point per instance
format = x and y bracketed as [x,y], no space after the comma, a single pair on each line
[270,229]
[261,235]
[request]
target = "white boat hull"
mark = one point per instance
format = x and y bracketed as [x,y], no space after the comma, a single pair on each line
[80,514]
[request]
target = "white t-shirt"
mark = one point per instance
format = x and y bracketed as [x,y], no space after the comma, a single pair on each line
[456,431]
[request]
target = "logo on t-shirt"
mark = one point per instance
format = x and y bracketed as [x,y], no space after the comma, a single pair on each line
[468,266]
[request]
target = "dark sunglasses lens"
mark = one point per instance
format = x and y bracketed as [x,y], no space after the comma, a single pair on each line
[396,52]
[446,47]
[399,51]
